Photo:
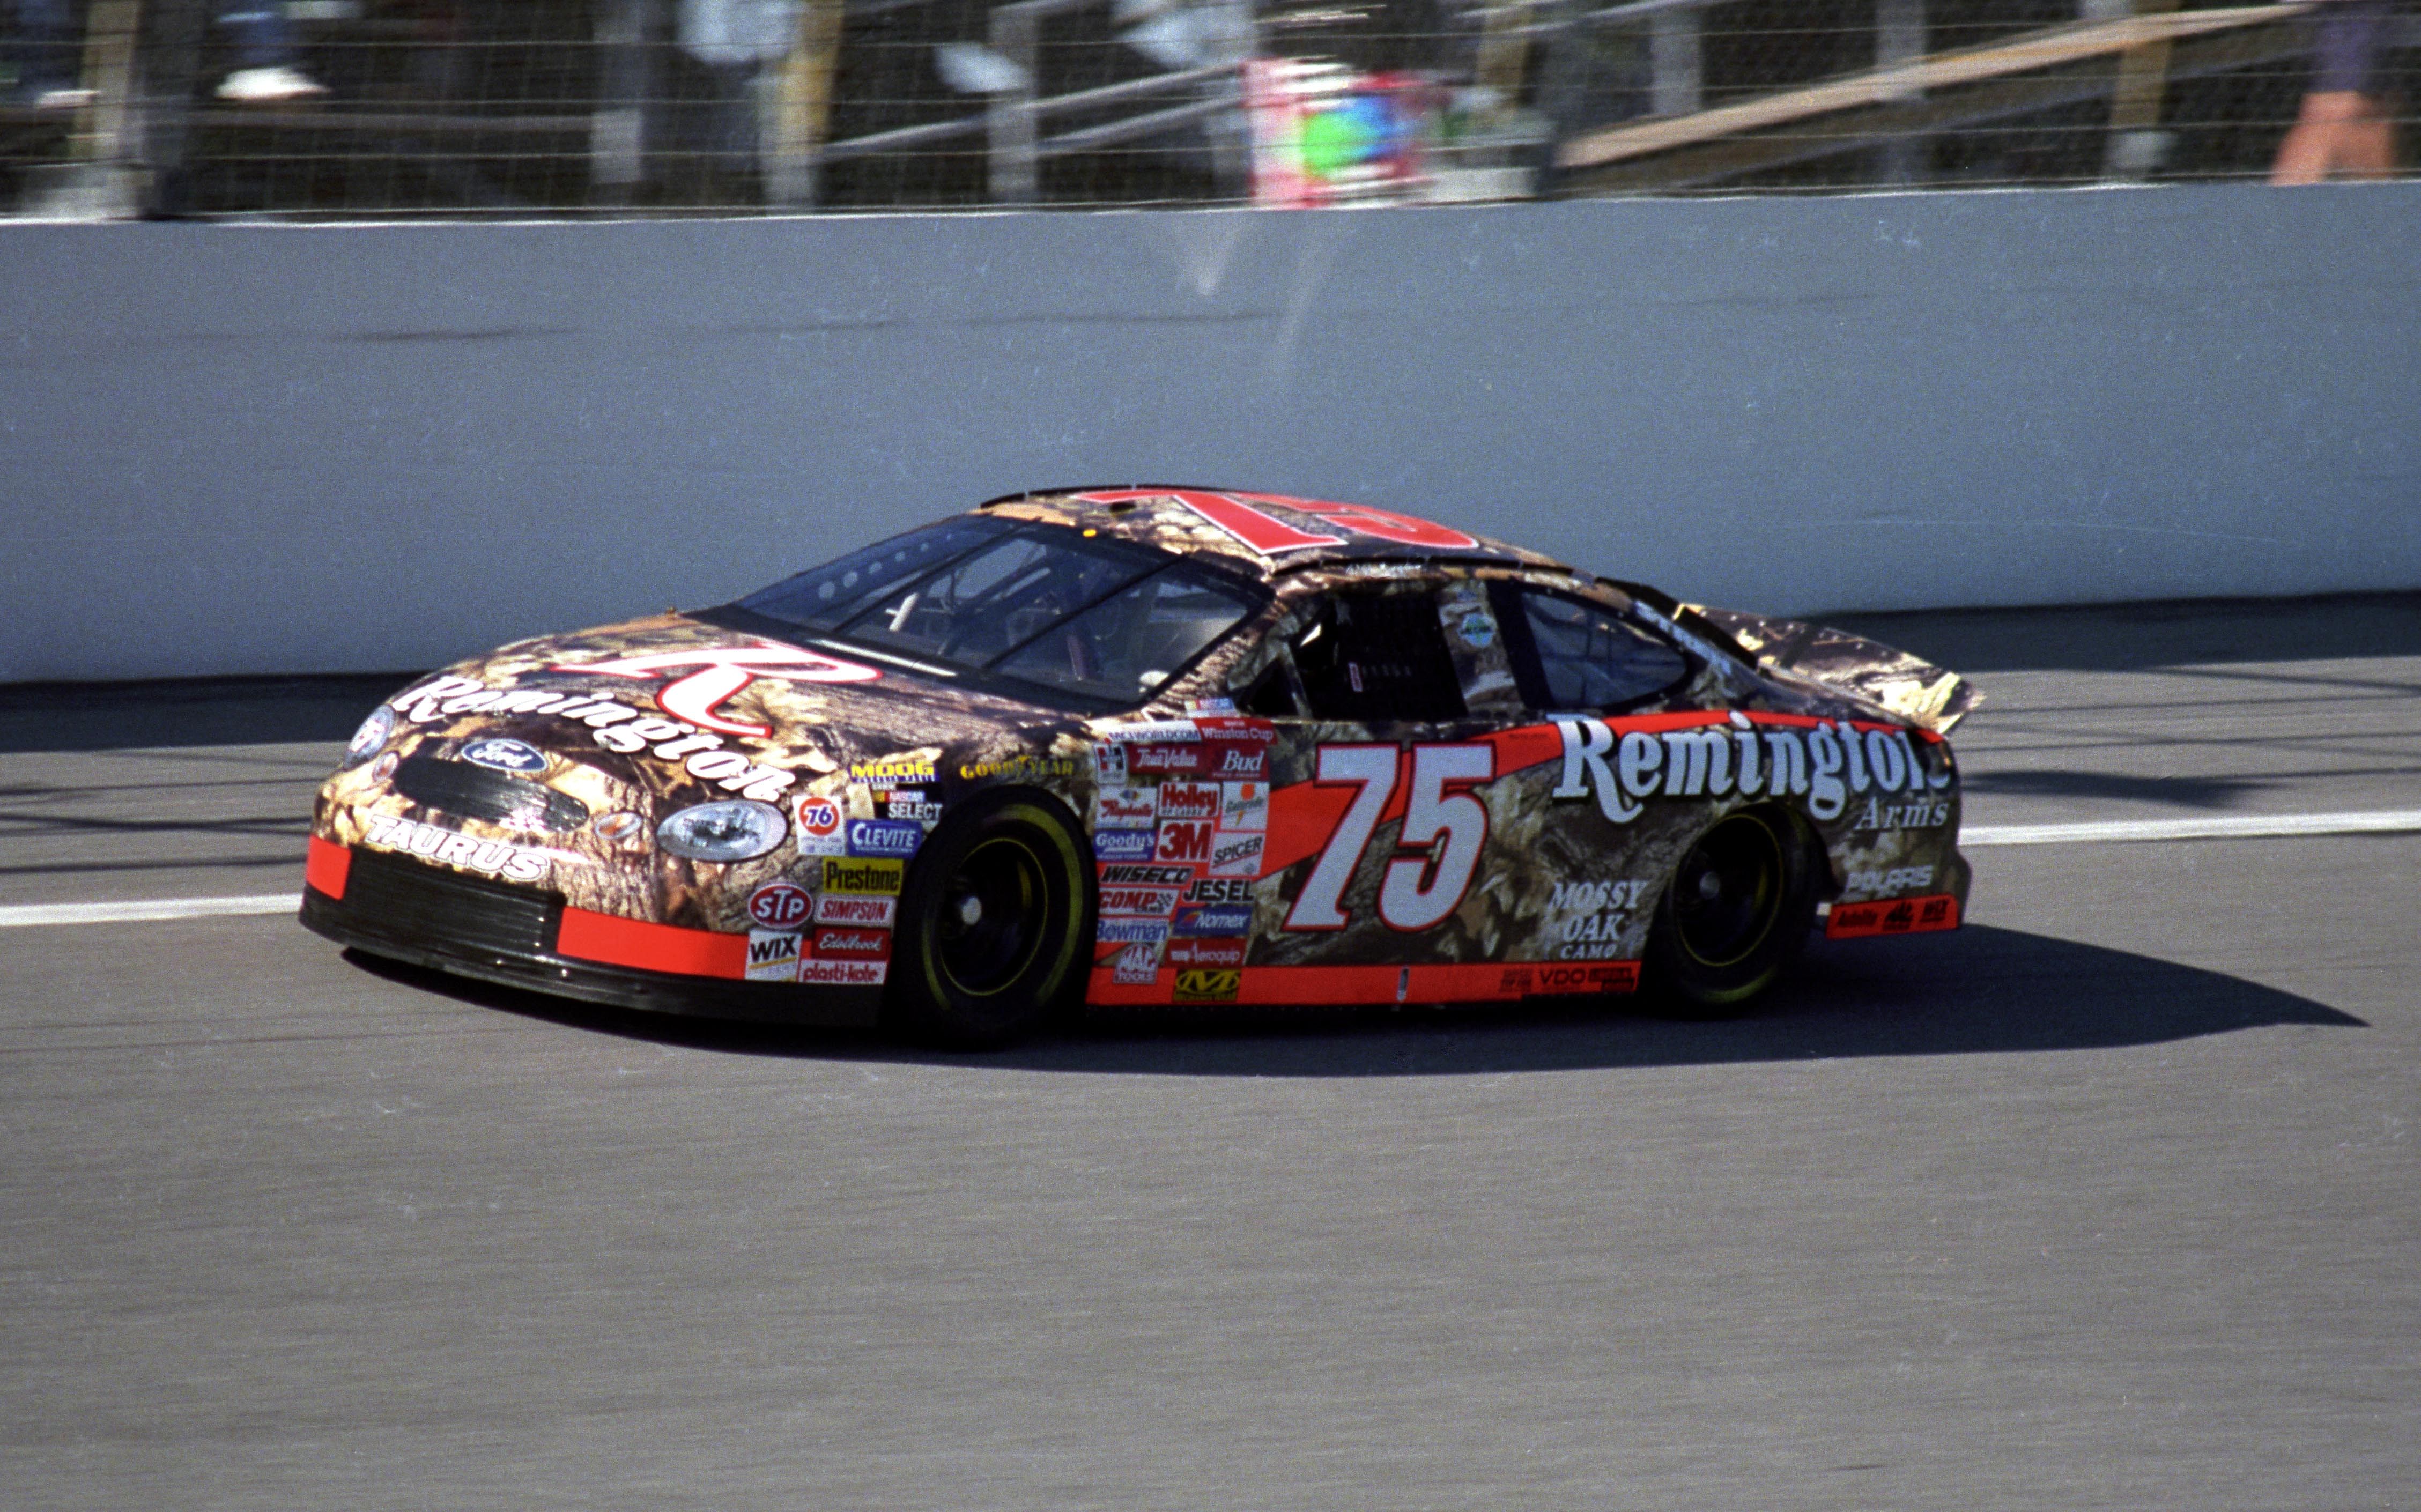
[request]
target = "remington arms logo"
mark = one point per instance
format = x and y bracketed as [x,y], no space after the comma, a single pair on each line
[1824,764]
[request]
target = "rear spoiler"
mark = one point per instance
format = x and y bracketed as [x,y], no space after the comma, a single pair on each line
[1914,690]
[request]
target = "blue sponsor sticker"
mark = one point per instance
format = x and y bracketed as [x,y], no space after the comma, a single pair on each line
[1215,919]
[505,755]
[884,837]
[1132,931]
[1124,845]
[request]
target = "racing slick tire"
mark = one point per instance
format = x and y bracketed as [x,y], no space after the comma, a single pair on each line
[993,922]
[1737,911]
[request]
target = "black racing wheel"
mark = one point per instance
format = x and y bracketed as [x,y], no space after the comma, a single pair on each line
[994,924]
[1738,909]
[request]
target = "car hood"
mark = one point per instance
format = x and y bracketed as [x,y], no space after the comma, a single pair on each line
[684,709]
[1916,690]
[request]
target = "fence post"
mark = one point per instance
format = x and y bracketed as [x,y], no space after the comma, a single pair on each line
[1675,64]
[1899,37]
[1014,166]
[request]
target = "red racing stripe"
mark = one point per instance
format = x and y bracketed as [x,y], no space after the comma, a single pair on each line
[325,867]
[655,947]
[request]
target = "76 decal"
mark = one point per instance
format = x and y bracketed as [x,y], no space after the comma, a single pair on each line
[1444,830]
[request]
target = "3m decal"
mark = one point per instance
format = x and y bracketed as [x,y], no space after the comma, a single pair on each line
[856,876]
[773,955]
[873,913]
[512,862]
[780,906]
[1184,841]
[722,673]
[820,830]
[1906,916]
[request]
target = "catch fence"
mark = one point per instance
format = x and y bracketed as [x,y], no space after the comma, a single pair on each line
[348,108]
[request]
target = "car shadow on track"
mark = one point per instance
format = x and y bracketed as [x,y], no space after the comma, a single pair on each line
[1977,990]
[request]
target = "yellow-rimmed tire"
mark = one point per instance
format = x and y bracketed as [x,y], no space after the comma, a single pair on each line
[994,924]
[1736,912]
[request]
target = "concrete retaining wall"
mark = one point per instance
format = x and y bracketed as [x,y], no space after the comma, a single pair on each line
[248,449]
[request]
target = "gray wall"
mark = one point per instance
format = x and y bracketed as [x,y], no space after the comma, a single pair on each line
[239,449]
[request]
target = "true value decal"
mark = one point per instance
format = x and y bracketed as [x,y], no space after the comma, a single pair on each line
[1825,764]
[694,736]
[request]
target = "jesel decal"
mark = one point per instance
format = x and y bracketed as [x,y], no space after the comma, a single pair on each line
[1824,764]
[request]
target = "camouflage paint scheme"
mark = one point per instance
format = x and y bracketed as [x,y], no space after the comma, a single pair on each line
[1558,881]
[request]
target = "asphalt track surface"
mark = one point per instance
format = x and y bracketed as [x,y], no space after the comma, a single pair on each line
[2106,1201]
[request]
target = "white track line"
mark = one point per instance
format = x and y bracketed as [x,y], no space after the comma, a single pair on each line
[166,908]
[2231,827]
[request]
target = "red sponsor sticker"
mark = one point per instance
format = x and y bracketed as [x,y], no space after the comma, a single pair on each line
[1893,915]
[780,906]
[1158,756]
[1188,800]
[1149,901]
[848,908]
[1214,953]
[1575,977]
[1185,840]
[1231,759]
[840,943]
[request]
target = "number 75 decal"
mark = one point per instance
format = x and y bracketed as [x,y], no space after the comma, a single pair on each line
[1444,830]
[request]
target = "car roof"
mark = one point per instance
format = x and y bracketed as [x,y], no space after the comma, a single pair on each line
[1269,533]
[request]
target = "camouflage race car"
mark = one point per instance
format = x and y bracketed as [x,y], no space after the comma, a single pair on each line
[1150,746]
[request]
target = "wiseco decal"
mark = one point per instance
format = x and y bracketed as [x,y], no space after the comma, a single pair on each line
[1903,915]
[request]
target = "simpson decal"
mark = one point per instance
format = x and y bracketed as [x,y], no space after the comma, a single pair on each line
[849,908]
[494,858]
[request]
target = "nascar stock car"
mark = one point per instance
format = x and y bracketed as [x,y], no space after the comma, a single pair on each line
[1150,746]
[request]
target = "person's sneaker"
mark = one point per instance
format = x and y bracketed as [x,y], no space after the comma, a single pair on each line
[269,86]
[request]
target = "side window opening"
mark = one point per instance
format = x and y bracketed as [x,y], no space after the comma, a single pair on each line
[1371,657]
[1569,654]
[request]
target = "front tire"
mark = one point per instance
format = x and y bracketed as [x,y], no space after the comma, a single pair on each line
[1737,911]
[992,925]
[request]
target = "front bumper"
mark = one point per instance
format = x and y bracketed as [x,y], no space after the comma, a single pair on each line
[406,910]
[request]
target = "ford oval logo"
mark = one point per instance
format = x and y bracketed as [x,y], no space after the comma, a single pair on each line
[505,755]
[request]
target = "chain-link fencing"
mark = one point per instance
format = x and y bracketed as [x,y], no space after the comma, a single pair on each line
[345,108]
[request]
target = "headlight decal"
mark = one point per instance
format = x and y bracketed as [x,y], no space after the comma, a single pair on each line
[733,829]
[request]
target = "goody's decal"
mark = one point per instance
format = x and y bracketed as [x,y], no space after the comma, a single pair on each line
[884,837]
[1123,845]
[502,755]
[780,906]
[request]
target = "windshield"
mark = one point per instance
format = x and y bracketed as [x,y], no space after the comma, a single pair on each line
[1042,605]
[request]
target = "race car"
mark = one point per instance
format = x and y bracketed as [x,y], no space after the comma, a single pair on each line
[1150,746]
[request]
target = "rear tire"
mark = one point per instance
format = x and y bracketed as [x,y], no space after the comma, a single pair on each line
[1737,911]
[992,925]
